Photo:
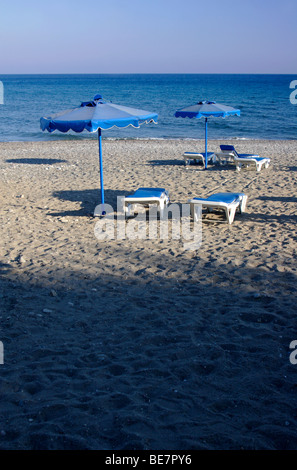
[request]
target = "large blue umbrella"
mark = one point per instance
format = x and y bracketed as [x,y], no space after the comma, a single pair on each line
[96,115]
[207,109]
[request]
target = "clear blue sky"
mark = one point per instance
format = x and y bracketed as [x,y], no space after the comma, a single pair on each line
[148,36]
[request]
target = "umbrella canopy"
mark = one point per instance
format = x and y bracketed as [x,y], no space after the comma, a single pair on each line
[96,115]
[207,109]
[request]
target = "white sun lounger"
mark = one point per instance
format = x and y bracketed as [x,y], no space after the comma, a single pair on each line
[146,196]
[227,202]
[196,157]
[228,153]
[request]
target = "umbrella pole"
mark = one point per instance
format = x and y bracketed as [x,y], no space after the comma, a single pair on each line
[206,143]
[101,169]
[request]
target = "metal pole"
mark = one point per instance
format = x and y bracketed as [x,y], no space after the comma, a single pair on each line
[206,143]
[101,168]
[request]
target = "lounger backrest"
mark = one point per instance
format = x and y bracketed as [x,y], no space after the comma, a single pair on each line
[228,148]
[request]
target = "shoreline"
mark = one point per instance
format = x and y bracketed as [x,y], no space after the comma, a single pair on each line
[140,344]
[76,138]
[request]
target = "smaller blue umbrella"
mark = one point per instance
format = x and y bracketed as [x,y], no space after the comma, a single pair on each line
[207,109]
[96,115]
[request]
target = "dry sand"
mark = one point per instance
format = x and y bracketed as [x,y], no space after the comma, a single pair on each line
[122,344]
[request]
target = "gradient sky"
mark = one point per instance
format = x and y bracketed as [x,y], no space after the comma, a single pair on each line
[154,36]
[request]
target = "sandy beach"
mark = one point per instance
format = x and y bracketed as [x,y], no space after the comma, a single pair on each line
[141,344]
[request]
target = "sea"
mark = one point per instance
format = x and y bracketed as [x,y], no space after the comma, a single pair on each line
[267,112]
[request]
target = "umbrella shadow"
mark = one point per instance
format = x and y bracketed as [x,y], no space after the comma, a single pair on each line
[289,168]
[88,198]
[166,162]
[216,167]
[192,166]
[279,198]
[264,218]
[5,268]
[36,161]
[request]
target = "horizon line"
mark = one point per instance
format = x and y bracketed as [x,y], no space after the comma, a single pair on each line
[148,73]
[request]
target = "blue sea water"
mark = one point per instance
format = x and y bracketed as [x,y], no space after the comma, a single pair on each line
[266,110]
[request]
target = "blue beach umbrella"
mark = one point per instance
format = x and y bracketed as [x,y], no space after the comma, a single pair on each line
[207,109]
[96,115]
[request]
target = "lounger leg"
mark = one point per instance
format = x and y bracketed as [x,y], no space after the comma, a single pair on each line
[242,205]
[197,212]
[129,208]
[122,204]
[125,207]
[230,214]
[161,209]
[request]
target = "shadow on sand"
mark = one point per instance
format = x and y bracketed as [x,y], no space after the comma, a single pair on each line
[36,161]
[89,199]
[147,361]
